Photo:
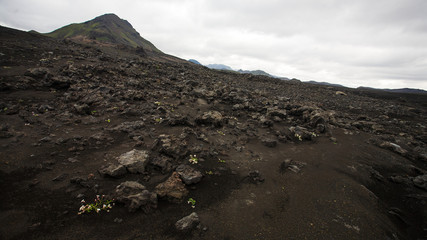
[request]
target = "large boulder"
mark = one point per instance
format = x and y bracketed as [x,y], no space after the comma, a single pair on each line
[113,170]
[171,146]
[135,161]
[128,127]
[187,223]
[135,196]
[421,181]
[188,174]
[214,118]
[173,189]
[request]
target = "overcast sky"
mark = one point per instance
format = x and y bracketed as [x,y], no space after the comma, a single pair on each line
[375,43]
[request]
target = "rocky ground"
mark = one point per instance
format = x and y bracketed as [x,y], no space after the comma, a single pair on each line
[187,152]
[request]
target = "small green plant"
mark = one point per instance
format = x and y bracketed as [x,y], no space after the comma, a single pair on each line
[314,134]
[209,172]
[220,133]
[298,136]
[193,159]
[92,112]
[159,120]
[221,161]
[192,202]
[158,103]
[100,204]
[108,120]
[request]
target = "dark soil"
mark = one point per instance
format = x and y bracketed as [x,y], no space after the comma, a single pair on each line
[279,159]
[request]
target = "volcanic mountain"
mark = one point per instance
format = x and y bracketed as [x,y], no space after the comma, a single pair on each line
[108,28]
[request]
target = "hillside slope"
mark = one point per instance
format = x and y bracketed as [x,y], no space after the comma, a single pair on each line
[259,157]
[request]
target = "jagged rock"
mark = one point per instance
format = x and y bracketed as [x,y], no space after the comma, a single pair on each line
[135,161]
[101,137]
[214,118]
[171,146]
[162,163]
[265,121]
[187,223]
[393,147]
[300,133]
[113,170]
[173,189]
[128,127]
[82,109]
[135,196]
[37,73]
[255,177]
[289,164]
[320,119]
[178,120]
[188,174]
[44,108]
[269,142]
[285,164]
[421,181]
[277,113]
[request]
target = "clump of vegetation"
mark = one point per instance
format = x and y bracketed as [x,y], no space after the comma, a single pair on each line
[193,159]
[100,204]
[221,161]
[192,202]
[220,133]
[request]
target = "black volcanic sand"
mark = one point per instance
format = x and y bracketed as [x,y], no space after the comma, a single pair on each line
[283,160]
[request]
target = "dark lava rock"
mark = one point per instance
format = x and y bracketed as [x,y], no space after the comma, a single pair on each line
[173,189]
[301,133]
[277,112]
[113,170]
[135,161]
[128,127]
[60,178]
[255,177]
[214,118]
[269,142]
[187,223]
[393,147]
[284,165]
[135,196]
[162,164]
[188,174]
[37,73]
[82,109]
[171,146]
[421,181]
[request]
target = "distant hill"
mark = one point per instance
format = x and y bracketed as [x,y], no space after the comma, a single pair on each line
[219,67]
[194,61]
[400,90]
[256,72]
[108,28]
[325,83]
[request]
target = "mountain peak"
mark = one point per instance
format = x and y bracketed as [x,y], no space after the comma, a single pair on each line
[107,28]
